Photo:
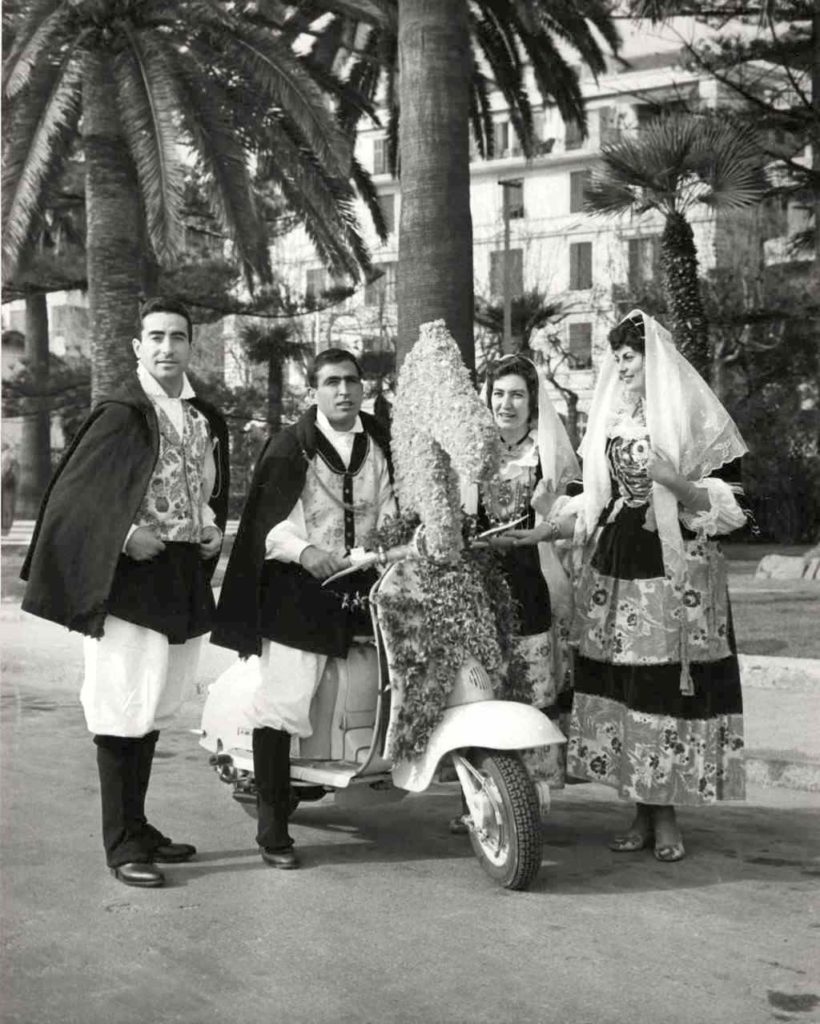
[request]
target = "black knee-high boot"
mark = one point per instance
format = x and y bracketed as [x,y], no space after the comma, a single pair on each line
[271,768]
[117,763]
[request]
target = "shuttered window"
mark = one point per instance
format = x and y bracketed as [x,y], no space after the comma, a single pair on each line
[580,266]
[580,345]
[516,273]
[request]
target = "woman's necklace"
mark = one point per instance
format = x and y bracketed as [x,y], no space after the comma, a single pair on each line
[511,445]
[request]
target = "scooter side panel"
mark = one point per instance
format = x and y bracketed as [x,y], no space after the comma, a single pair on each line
[495,724]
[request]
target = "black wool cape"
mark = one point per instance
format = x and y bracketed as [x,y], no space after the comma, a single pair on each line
[91,503]
[277,600]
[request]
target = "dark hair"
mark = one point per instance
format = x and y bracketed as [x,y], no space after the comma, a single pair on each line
[521,367]
[331,356]
[161,304]
[628,332]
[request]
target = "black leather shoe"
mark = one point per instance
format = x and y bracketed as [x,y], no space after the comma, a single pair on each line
[172,853]
[145,876]
[285,859]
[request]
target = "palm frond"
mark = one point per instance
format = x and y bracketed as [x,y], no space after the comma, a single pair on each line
[507,66]
[44,121]
[610,197]
[46,40]
[364,186]
[556,80]
[224,161]
[728,159]
[324,205]
[481,113]
[677,162]
[147,101]
[278,76]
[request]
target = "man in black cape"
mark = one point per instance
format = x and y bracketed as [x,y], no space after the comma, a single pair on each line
[320,489]
[123,552]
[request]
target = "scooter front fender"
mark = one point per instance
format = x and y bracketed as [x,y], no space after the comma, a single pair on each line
[494,724]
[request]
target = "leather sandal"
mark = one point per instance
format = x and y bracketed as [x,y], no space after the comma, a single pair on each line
[668,853]
[632,842]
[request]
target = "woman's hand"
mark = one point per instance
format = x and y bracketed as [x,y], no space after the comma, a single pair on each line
[545,531]
[660,469]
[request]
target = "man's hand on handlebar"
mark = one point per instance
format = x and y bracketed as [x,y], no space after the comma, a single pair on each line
[320,563]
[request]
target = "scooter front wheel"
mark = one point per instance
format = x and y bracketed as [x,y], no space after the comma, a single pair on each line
[505,825]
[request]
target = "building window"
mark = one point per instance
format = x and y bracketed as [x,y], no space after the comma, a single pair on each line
[515,198]
[646,113]
[573,137]
[382,291]
[580,266]
[501,138]
[580,345]
[505,141]
[387,204]
[317,281]
[380,162]
[609,129]
[516,273]
[578,183]
[643,262]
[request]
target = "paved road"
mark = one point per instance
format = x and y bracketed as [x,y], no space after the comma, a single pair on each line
[391,920]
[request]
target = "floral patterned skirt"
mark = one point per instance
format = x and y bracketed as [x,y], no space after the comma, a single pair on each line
[631,727]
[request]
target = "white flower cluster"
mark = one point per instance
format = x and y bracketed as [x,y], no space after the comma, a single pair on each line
[441,432]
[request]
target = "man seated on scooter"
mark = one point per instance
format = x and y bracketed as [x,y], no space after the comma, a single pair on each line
[320,489]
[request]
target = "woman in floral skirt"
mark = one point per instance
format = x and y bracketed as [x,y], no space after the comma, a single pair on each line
[537,464]
[657,711]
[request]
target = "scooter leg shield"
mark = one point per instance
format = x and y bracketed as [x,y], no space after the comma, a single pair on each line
[271,767]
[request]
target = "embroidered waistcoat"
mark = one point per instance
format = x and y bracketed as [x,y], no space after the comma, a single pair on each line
[341,504]
[172,505]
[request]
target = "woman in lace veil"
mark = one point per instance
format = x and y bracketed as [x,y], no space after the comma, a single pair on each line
[657,711]
[537,464]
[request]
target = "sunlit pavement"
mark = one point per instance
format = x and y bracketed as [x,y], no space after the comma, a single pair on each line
[390,919]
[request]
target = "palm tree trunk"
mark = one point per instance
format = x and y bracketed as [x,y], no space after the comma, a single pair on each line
[35,441]
[435,272]
[113,232]
[679,260]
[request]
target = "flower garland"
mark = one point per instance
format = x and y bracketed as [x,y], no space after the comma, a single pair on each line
[441,431]
[432,617]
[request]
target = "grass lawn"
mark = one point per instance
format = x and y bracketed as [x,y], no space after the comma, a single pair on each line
[772,617]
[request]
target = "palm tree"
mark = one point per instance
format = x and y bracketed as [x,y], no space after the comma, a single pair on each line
[675,165]
[140,84]
[273,346]
[428,58]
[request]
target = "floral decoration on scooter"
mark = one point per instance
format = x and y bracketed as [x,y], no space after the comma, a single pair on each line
[453,601]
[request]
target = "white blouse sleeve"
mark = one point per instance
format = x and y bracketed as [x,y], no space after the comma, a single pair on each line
[723,515]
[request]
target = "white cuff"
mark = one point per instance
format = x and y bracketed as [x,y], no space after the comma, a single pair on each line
[284,544]
[208,516]
[128,536]
[723,515]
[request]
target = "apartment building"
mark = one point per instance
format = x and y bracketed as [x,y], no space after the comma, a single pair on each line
[596,266]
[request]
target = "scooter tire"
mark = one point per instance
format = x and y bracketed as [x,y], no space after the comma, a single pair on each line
[514,858]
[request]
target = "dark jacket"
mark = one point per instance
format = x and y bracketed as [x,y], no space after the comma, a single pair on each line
[91,503]
[277,600]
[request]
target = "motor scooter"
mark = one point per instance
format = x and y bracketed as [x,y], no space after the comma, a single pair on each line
[353,714]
